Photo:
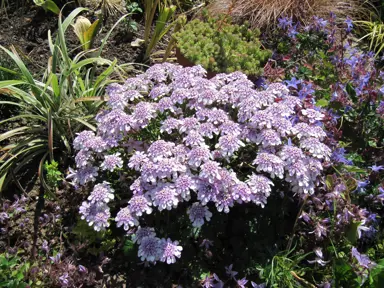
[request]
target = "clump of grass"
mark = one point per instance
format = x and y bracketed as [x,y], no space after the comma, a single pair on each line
[374,34]
[265,13]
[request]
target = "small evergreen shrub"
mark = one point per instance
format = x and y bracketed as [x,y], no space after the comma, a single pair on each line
[220,46]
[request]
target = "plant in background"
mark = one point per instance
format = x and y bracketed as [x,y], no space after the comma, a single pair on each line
[14,220]
[335,75]
[4,6]
[179,24]
[106,8]
[110,7]
[54,108]
[7,72]
[132,8]
[190,145]
[188,5]
[48,5]
[165,14]
[285,271]
[86,31]
[264,14]
[374,33]
[220,46]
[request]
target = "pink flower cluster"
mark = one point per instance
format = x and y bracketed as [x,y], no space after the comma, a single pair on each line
[221,143]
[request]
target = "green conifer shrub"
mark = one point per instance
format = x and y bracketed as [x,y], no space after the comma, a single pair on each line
[222,47]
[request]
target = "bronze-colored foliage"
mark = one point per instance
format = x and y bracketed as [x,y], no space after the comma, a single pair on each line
[264,13]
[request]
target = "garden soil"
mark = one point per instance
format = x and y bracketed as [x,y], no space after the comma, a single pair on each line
[26,28]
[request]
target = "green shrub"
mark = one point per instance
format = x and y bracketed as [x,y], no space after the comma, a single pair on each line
[220,46]
[12,271]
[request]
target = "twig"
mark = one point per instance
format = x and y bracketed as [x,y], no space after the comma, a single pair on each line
[294,225]
[39,208]
[302,280]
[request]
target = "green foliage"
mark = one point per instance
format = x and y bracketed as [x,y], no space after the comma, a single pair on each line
[285,271]
[53,174]
[6,67]
[179,24]
[97,242]
[86,31]
[344,273]
[376,277]
[220,46]
[12,271]
[56,107]
[165,14]
[48,5]
[374,34]
[132,8]
[7,72]
[129,248]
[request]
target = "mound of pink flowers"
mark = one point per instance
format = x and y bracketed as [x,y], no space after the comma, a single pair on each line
[212,143]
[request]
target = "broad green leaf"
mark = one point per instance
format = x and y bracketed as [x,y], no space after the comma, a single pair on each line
[55,84]
[322,103]
[353,169]
[13,132]
[22,68]
[351,92]
[372,143]
[71,17]
[352,234]
[329,182]
[82,63]
[23,116]
[51,6]
[377,274]
[90,34]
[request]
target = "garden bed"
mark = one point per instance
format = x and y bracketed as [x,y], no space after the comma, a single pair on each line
[171,175]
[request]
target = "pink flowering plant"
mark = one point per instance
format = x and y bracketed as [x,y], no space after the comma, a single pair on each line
[185,144]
